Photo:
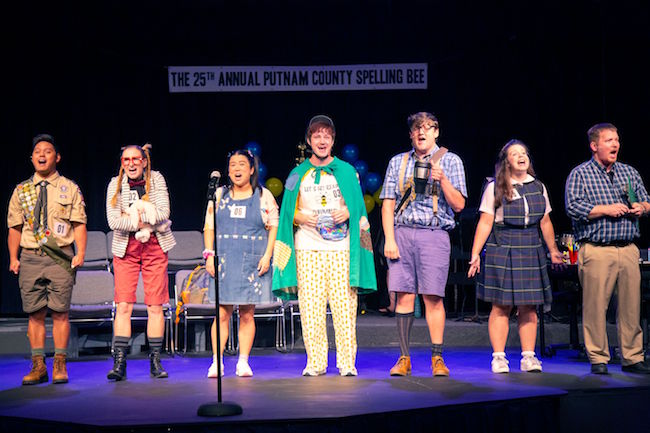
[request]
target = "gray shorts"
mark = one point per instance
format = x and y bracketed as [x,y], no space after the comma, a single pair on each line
[423,265]
[43,283]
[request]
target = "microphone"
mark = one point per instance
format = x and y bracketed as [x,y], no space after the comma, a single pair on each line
[215,176]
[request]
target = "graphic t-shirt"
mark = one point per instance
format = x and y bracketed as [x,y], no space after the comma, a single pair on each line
[321,199]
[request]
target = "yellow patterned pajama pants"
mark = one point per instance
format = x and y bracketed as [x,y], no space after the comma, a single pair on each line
[323,276]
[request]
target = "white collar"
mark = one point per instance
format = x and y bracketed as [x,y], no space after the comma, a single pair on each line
[528,179]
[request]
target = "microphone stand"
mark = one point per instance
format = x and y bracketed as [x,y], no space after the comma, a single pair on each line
[218,408]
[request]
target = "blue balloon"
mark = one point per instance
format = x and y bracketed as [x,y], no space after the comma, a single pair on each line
[350,153]
[261,171]
[372,182]
[361,167]
[254,147]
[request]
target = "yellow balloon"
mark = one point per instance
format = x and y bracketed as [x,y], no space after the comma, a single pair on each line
[370,202]
[377,194]
[274,185]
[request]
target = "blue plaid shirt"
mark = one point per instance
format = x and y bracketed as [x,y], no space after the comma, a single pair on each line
[589,185]
[419,212]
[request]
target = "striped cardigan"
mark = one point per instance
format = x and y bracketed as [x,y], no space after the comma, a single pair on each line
[121,224]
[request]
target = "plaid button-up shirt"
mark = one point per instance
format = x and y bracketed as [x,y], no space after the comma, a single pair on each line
[588,185]
[419,212]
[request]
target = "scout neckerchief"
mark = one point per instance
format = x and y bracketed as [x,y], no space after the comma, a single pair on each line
[27,197]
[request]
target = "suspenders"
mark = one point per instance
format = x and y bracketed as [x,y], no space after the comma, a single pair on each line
[407,189]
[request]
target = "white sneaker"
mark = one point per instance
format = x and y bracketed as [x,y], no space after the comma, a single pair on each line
[212,371]
[500,363]
[313,372]
[349,372]
[530,364]
[243,369]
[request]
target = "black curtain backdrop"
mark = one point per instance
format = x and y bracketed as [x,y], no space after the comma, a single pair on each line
[94,75]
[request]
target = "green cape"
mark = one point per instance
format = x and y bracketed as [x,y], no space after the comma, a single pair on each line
[362,265]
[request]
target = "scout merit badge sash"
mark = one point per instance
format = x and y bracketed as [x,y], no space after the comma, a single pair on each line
[28,198]
[407,186]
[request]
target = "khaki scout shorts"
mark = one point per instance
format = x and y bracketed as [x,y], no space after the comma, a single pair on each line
[43,283]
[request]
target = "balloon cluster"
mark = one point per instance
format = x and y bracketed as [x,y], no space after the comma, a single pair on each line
[371,182]
[273,184]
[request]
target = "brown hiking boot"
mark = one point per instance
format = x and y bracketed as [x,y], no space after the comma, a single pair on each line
[402,367]
[438,366]
[38,374]
[59,371]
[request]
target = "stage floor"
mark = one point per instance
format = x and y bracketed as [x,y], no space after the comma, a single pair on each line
[278,394]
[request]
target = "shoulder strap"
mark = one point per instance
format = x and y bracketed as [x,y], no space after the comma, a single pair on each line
[191,276]
[437,156]
[402,170]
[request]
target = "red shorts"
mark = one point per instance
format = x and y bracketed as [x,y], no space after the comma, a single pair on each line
[149,259]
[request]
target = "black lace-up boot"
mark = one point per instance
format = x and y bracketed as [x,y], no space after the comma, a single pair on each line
[156,368]
[119,365]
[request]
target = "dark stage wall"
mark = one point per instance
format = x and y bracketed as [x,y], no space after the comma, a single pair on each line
[95,77]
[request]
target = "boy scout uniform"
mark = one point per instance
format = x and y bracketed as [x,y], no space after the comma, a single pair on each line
[45,276]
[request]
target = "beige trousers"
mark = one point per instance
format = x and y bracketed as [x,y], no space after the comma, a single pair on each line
[603,271]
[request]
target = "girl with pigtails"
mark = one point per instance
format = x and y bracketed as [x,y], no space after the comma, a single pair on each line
[137,209]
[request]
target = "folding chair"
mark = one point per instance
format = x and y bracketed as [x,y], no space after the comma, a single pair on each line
[203,312]
[187,253]
[140,314]
[92,302]
[96,252]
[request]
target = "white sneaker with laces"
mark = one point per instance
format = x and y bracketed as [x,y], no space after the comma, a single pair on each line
[212,371]
[500,363]
[243,369]
[530,363]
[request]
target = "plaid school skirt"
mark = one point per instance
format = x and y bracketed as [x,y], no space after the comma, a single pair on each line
[513,271]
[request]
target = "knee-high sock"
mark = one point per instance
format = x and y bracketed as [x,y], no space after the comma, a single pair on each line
[404,325]
[155,343]
[120,342]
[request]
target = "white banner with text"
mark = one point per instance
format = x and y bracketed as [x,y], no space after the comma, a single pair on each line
[397,76]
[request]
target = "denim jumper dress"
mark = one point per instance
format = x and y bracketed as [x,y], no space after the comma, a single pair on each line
[241,243]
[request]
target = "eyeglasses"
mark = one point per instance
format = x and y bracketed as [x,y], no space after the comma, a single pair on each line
[136,160]
[427,127]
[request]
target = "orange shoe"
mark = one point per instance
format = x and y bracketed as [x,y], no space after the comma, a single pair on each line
[438,366]
[59,371]
[38,373]
[402,367]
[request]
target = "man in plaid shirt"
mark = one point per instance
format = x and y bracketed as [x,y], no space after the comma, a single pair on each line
[416,227]
[604,199]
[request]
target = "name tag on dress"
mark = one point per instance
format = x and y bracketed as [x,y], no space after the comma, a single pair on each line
[237,211]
